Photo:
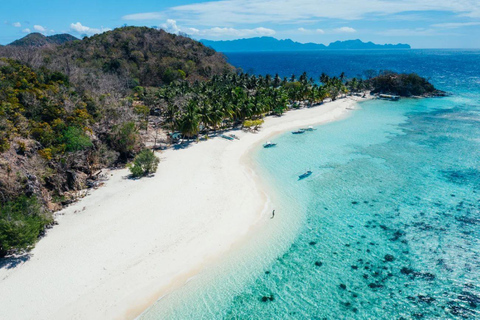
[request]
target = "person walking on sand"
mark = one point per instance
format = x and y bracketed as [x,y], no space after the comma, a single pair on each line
[273,214]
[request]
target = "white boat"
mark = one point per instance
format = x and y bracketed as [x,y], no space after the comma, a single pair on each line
[310,128]
[269,144]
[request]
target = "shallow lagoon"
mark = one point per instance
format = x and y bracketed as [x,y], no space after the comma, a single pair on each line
[386,227]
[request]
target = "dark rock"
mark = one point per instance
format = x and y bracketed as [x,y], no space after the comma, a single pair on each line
[354,267]
[267,298]
[418,315]
[406,270]
[425,275]
[389,258]
[397,234]
[318,263]
[426,299]
[470,298]
[460,311]
[343,286]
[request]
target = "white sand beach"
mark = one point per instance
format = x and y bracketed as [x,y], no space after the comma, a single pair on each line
[115,252]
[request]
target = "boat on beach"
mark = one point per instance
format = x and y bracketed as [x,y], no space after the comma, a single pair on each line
[234,136]
[227,137]
[269,144]
[304,175]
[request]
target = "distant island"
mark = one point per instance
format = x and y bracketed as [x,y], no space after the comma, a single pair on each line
[272,44]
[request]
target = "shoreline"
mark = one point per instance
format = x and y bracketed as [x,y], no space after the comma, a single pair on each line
[134,241]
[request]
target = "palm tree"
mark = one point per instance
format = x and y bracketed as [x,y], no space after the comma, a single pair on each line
[277,81]
[204,113]
[189,122]
[216,115]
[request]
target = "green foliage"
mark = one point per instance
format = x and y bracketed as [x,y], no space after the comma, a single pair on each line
[125,138]
[21,223]
[32,105]
[248,124]
[145,163]
[405,85]
[139,56]
[231,99]
[76,139]
[189,122]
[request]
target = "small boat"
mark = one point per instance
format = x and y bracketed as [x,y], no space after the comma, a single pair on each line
[269,144]
[307,174]
[390,97]
[300,131]
[310,128]
[226,137]
[234,136]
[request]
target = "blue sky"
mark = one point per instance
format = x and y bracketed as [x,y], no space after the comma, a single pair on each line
[421,23]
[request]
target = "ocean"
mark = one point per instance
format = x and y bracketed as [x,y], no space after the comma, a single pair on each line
[388,224]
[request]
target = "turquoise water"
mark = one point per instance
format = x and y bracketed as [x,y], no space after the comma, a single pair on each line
[392,221]
[387,226]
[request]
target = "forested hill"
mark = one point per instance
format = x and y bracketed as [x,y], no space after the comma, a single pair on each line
[135,55]
[39,40]
[69,110]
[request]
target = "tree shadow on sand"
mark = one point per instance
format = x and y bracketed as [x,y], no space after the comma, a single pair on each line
[183,145]
[11,262]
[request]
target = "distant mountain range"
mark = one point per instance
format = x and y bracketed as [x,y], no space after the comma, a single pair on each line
[272,44]
[39,40]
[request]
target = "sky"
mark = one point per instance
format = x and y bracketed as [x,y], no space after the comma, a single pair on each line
[420,23]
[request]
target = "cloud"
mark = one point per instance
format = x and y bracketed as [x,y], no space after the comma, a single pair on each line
[232,32]
[26,30]
[216,32]
[231,12]
[81,29]
[344,30]
[171,26]
[311,31]
[454,25]
[39,28]
[17,24]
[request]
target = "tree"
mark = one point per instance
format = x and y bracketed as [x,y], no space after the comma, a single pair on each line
[21,223]
[125,138]
[145,163]
[189,122]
